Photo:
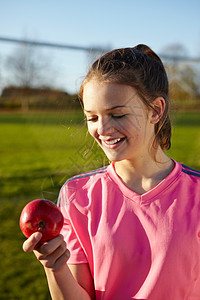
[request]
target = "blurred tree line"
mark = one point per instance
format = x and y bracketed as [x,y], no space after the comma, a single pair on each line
[183,74]
[30,86]
[31,82]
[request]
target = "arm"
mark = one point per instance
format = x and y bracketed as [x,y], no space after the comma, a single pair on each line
[63,285]
[74,282]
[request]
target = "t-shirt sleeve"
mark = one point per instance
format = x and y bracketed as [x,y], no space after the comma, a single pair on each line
[77,254]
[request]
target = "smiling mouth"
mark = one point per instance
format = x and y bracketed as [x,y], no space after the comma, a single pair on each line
[112,142]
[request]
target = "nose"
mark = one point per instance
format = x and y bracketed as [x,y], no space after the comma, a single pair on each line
[105,127]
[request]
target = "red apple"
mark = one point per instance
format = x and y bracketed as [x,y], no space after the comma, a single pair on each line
[41,215]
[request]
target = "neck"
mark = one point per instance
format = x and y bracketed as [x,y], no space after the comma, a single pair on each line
[144,173]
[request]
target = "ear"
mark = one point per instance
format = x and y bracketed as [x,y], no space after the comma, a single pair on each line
[158,110]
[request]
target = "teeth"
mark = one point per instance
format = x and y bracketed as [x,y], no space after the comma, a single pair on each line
[112,142]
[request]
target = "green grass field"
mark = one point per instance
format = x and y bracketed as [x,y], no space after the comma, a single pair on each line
[38,152]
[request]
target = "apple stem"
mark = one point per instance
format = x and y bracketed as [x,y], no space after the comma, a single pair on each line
[41,225]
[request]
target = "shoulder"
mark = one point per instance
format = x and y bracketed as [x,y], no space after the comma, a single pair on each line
[191,172]
[85,177]
[82,183]
[190,177]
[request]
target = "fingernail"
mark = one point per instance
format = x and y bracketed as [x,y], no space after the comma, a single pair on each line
[38,236]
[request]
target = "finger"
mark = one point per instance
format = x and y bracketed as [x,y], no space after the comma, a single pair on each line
[61,261]
[30,244]
[49,259]
[50,246]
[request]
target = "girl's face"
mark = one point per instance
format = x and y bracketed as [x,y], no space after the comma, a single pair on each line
[118,120]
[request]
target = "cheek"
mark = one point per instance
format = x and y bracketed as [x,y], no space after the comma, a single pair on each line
[92,131]
[121,126]
[131,126]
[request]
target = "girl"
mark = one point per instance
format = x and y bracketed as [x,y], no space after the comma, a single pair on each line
[132,229]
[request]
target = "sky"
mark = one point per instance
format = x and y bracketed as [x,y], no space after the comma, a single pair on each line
[107,23]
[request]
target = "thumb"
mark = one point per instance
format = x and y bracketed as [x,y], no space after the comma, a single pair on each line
[30,244]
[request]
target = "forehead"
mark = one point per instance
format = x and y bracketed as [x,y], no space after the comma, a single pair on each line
[106,95]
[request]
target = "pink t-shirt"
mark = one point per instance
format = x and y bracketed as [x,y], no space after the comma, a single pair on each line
[137,246]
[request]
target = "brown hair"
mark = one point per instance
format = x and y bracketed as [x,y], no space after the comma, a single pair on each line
[142,69]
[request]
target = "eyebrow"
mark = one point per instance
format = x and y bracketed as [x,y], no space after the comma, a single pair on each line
[108,109]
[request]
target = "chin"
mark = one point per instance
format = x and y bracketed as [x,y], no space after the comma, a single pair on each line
[114,158]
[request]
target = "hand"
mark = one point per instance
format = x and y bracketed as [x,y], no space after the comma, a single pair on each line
[52,254]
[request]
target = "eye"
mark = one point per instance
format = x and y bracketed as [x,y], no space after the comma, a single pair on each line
[91,119]
[118,116]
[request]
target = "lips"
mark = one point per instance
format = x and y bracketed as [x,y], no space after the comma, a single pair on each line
[112,142]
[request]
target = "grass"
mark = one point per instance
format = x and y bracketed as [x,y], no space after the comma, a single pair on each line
[39,151]
[186,138]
